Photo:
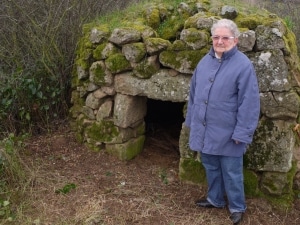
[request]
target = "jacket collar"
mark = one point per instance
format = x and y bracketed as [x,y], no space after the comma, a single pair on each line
[225,55]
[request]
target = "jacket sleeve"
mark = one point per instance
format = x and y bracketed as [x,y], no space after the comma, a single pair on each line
[248,106]
[188,116]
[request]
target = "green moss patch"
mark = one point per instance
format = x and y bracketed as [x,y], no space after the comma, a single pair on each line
[191,170]
[98,71]
[117,63]
[170,28]
[174,59]
[103,131]
[127,150]
[251,183]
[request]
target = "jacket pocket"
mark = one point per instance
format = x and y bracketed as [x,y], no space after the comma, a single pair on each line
[222,114]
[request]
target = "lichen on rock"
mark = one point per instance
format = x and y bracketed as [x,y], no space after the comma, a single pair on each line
[152,54]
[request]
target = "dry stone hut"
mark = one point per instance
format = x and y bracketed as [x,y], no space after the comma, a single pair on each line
[151,56]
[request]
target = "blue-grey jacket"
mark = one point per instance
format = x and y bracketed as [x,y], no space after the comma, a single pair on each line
[224,104]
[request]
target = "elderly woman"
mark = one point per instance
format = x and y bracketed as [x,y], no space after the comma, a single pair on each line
[222,114]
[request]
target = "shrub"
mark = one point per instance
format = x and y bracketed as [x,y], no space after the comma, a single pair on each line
[38,40]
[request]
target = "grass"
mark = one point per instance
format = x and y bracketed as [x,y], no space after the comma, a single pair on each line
[132,12]
[13,181]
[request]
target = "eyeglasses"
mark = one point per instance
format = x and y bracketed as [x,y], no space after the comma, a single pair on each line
[224,39]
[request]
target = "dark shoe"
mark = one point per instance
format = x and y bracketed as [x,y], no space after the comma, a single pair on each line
[236,217]
[204,203]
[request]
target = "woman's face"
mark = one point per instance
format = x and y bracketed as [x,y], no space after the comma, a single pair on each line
[223,40]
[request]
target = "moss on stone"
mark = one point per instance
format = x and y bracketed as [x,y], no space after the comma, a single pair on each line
[78,127]
[84,53]
[85,50]
[83,61]
[171,27]
[290,43]
[117,63]
[191,170]
[194,36]
[174,58]
[249,21]
[291,174]
[79,138]
[93,146]
[141,129]
[179,45]
[75,81]
[152,16]
[103,131]
[263,132]
[127,150]
[285,200]
[251,183]
[192,21]
[277,183]
[97,52]
[103,27]
[206,2]
[75,110]
[98,74]
[159,42]
[267,149]
[145,70]
[145,30]
[293,59]
[281,203]
[139,51]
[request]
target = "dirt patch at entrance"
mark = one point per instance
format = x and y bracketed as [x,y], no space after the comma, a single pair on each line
[74,185]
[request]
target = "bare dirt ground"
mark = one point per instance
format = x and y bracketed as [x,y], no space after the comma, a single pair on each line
[100,189]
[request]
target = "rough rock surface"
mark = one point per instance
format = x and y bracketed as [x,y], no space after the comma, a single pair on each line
[136,63]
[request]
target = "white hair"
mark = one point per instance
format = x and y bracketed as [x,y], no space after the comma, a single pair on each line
[229,24]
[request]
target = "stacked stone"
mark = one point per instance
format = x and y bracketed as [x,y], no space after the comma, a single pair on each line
[118,70]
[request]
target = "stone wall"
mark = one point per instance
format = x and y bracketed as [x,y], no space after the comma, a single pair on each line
[154,55]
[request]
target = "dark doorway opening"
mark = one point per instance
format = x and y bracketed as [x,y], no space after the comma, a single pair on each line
[164,115]
[163,125]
